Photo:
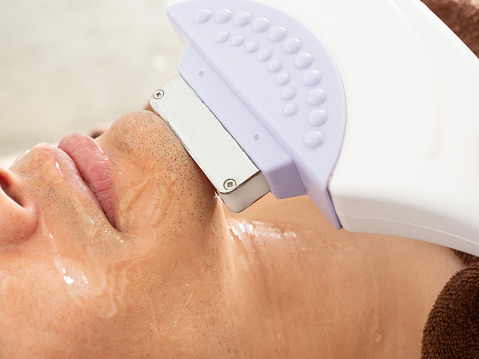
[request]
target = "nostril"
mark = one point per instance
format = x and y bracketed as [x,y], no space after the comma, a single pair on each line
[18,217]
[6,188]
[3,183]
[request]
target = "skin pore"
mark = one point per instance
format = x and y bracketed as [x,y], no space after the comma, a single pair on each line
[145,262]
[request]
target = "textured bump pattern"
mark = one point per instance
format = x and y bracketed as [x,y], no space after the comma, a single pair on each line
[291,49]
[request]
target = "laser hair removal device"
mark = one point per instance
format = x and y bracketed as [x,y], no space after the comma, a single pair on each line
[370,108]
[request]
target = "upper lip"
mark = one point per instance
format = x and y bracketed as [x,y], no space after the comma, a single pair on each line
[94,166]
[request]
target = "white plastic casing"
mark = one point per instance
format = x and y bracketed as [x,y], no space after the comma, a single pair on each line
[409,164]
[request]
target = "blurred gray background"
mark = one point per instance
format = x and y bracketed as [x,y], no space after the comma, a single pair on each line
[67,65]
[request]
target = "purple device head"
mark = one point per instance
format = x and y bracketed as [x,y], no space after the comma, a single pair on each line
[272,86]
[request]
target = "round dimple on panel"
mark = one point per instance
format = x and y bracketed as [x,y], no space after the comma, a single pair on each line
[251,46]
[237,40]
[277,33]
[275,66]
[264,55]
[242,18]
[303,60]
[316,97]
[223,15]
[260,24]
[311,77]
[292,45]
[222,36]
[288,93]
[314,139]
[317,117]
[290,109]
[203,15]
[282,79]
[256,137]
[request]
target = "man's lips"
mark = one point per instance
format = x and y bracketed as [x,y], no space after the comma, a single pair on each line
[94,167]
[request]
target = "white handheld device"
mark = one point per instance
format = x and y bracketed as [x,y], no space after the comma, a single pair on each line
[371,108]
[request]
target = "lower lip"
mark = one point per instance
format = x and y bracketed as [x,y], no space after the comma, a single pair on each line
[95,169]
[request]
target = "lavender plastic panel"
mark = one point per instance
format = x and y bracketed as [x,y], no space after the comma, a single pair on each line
[276,165]
[282,74]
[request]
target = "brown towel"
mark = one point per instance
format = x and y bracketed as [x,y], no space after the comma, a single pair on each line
[461,16]
[452,328]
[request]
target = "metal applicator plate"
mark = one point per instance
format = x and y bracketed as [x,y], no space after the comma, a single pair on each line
[236,178]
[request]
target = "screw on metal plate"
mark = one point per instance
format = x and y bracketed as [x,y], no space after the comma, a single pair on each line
[158,94]
[229,184]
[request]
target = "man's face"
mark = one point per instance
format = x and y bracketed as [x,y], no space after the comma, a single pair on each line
[104,246]
[119,248]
